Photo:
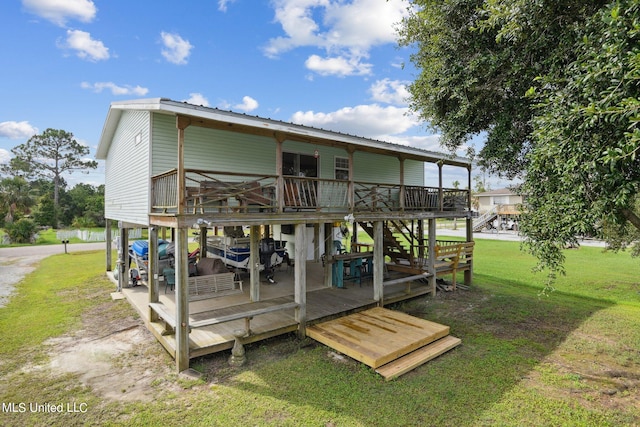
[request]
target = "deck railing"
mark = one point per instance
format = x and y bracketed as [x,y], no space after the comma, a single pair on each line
[233,192]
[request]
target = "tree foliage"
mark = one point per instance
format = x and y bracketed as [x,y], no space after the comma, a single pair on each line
[49,155]
[15,198]
[585,172]
[555,86]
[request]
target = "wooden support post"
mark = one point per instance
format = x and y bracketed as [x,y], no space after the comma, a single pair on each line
[328,251]
[152,276]
[432,255]
[440,192]
[181,258]
[421,253]
[254,263]
[468,274]
[300,279]
[316,242]
[378,262]
[182,300]
[123,259]
[203,242]
[107,237]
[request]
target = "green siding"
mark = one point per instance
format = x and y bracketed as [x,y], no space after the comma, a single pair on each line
[127,170]
[212,149]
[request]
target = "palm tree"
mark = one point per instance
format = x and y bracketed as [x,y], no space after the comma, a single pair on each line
[15,196]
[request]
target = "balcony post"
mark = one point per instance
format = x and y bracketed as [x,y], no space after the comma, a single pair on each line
[351,188]
[279,178]
[401,183]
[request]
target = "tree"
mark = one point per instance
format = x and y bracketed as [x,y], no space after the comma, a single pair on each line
[15,196]
[478,58]
[49,155]
[587,139]
[555,86]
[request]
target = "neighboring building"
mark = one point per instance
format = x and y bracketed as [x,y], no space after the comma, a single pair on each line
[497,208]
[174,165]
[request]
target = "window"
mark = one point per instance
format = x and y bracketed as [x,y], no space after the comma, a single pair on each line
[341,168]
[295,164]
[500,200]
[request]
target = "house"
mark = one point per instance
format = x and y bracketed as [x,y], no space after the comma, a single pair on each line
[172,165]
[496,207]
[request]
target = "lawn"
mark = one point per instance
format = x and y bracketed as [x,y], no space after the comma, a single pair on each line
[567,358]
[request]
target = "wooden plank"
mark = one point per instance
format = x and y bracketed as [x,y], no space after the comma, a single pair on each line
[405,268]
[406,279]
[243,315]
[418,357]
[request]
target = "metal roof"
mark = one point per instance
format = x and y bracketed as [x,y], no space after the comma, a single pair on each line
[265,126]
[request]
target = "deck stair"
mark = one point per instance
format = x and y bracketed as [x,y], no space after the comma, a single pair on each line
[395,244]
[391,342]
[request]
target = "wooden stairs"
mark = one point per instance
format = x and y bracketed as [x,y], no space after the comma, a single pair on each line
[395,244]
[391,342]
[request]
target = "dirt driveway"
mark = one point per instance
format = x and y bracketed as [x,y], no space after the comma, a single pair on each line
[113,352]
[17,262]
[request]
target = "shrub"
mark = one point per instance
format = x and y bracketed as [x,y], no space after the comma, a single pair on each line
[21,231]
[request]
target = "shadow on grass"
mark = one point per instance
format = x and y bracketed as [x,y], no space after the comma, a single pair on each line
[506,330]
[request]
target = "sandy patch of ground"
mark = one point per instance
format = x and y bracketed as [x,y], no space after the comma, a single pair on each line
[118,358]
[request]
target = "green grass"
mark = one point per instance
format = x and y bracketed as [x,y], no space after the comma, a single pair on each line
[570,358]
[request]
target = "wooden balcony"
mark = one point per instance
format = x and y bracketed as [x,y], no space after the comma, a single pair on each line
[219,194]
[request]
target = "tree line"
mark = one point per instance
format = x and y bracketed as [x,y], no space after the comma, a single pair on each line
[34,193]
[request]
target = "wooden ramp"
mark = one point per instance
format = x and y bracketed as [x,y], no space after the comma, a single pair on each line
[389,341]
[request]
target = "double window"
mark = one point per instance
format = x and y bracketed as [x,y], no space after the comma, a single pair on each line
[296,164]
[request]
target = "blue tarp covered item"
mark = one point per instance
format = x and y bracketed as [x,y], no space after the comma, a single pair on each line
[141,248]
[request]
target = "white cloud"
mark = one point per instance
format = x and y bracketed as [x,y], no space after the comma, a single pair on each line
[4,156]
[197,99]
[60,11]
[222,4]
[390,92]
[17,130]
[345,31]
[371,121]
[176,49]
[115,89]
[85,46]
[248,104]
[338,66]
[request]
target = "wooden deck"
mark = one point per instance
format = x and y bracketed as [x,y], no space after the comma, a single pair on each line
[322,304]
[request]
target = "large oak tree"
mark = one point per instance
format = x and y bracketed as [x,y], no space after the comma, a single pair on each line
[555,86]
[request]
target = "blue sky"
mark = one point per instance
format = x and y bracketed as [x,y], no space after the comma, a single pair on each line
[333,64]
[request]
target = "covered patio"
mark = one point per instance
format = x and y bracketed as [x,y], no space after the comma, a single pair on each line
[214,321]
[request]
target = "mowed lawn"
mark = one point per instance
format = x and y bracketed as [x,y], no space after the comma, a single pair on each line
[570,357]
